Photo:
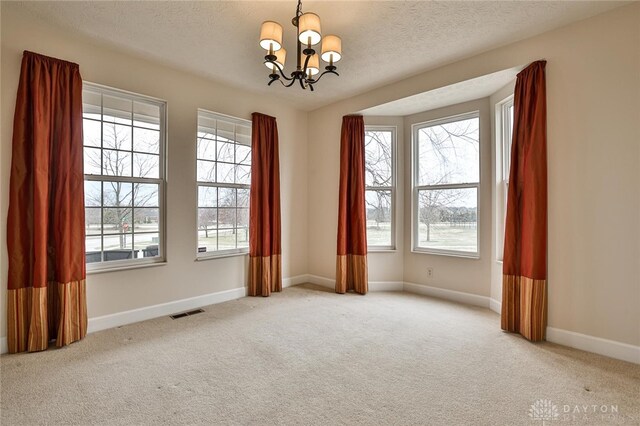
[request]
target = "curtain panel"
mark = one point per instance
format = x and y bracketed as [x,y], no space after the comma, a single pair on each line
[524,285]
[265,263]
[45,224]
[351,265]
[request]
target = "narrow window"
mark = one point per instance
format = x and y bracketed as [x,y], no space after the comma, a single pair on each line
[446,185]
[223,180]
[380,186]
[124,172]
[504,124]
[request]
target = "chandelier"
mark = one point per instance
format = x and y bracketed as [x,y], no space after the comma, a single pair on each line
[308,64]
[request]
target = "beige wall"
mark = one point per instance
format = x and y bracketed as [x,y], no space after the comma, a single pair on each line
[181,277]
[468,275]
[593,103]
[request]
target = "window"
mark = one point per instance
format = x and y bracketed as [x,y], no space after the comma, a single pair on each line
[446,185]
[124,168]
[379,166]
[224,178]
[504,124]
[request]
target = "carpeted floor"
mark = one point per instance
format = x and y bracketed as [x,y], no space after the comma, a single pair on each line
[309,356]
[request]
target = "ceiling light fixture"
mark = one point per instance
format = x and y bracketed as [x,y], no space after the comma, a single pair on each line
[309,34]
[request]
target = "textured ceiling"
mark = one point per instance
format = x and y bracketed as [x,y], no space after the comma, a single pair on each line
[383,41]
[457,93]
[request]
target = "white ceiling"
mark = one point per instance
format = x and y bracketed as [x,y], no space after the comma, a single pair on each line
[383,41]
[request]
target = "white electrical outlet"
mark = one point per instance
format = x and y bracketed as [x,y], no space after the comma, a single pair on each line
[429,272]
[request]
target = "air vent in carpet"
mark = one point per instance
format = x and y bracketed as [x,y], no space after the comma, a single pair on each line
[186,314]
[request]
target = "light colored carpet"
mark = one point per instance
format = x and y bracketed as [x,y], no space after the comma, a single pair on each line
[309,356]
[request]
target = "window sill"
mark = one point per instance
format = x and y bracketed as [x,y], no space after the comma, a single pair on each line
[381,250]
[125,267]
[221,256]
[462,255]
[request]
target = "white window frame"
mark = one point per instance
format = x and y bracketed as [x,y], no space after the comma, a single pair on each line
[392,188]
[504,129]
[415,187]
[243,251]
[114,265]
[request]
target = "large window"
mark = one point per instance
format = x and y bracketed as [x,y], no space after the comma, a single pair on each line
[446,185]
[504,125]
[380,186]
[124,170]
[224,178]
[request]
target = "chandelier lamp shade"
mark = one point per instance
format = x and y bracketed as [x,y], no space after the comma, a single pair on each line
[309,32]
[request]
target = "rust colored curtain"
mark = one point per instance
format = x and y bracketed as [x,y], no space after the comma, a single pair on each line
[45,226]
[524,281]
[351,265]
[265,263]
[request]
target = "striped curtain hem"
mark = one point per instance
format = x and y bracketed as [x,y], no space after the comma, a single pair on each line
[524,306]
[37,314]
[265,275]
[352,274]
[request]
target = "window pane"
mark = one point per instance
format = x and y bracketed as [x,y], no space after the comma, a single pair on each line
[146,166]
[207,241]
[91,134]
[448,219]
[92,193]
[147,245]
[92,161]
[225,132]
[116,163]
[226,239]
[116,136]
[378,208]
[93,221]
[118,247]
[146,220]
[207,218]
[93,249]
[145,140]
[243,237]
[243,174]
[243,155]
[226,197]
[225,152]
[449,153]
[117,194]
[146,115]
[226,217]
[116,221]
[116,109]
[378,163]
[243,134]
[206,171]
[225,172]
[145,195]
[207,196]
[91,105]
[206,149]
[243,217]
[243,197]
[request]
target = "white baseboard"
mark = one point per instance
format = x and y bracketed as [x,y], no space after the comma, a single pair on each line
[321,281]
[298,279]
[610,348]
[441,293]
[495,306]
[154,311]
[3,345]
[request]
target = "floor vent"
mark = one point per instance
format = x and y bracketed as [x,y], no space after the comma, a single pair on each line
[186,314]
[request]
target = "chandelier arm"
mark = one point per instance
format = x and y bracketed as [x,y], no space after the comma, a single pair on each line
[302,84]
[280,70]
[325,72]
[293,80]
[306,63]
